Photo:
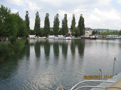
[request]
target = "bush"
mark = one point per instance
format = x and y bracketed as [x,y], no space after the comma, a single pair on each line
[12,39]
[24,37]
[3,49]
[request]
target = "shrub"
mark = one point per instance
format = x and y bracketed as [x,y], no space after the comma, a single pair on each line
[12,39]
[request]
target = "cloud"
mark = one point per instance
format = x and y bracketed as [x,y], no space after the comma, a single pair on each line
[14,10]
[33,6]
[103,19]
[32,21]
[97,13]
[16,2]
[119,1]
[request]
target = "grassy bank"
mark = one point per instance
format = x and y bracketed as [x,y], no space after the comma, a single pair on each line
[7,49]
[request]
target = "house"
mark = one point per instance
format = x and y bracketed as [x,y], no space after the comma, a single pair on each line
[88,31]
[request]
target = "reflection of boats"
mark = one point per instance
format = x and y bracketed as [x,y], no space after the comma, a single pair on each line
[89,37]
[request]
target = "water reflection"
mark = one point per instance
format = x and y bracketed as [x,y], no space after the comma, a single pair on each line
[57,45]
[37,49]
[44,64]
[47,49]
[10,66]
[56,49]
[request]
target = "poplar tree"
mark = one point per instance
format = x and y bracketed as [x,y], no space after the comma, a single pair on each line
[64,25]
[81,25]
[37,24]
[47,25]
[73,23]
[27,21]
[56,25]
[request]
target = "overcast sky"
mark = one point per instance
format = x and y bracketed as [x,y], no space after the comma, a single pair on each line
[97,13]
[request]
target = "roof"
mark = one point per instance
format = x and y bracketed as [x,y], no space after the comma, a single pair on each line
[87,29]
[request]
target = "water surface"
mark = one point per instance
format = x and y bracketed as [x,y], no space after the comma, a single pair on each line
[44,64]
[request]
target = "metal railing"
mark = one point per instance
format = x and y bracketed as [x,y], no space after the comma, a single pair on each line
[93,86]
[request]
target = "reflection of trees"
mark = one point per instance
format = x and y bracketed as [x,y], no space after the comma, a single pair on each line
[37,49]
[72,47]
[10,65]
[56,49]
[81,46]
[64,49]
[46,48]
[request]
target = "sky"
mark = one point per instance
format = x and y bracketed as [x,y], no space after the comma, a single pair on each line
[98,14]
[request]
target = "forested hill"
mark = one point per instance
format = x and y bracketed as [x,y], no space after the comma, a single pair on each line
[99,30]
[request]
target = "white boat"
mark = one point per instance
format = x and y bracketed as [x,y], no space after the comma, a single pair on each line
[67,38]
[55,37]
[44,37]
[60,37]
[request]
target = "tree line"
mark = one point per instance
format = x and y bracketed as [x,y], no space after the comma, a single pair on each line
[12,25]
[76,31]
[107,32]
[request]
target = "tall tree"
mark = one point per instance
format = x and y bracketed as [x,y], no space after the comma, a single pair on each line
[47,25]
[73,23]
[37,24]
[64,25]
[4,16]
[27,21]
[81,25]
[56,25]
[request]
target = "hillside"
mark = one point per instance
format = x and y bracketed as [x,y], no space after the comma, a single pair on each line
[99,30]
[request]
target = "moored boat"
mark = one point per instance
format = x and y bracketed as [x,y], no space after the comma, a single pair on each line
[85,37]
[88,37]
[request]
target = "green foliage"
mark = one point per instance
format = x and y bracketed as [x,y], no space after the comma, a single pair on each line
[3,48]
[32,32]
[73,24]
[42,32]
[120,32]
[27,21]
[37,25]
[108,32]
[22,29]
[94,32]
[60,31]
[47,25]
[7,49]
[4,16]
[51,33]
[64,25]
[11,24]
[77,32]
[12,39]
[56,25]
[81,25]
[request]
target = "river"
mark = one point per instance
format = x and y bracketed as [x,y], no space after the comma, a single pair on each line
[44,64]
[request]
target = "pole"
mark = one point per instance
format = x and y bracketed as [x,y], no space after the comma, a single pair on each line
[114,66]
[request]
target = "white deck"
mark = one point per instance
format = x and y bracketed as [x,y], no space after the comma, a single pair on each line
[116,78]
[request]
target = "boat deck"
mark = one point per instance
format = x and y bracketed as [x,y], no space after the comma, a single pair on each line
[118,84]
[116,78]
